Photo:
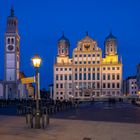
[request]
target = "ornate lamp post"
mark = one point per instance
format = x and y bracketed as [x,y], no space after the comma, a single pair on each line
[36,60]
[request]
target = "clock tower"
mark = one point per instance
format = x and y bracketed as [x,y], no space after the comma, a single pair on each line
[12,56]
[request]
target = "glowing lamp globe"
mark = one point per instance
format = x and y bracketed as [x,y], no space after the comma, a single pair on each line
[36,60]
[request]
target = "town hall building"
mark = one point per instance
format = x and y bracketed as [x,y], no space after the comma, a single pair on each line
[87,74]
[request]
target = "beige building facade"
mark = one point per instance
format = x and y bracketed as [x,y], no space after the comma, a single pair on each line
[87,74]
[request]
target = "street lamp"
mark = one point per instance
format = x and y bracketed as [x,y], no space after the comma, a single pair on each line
[36,60]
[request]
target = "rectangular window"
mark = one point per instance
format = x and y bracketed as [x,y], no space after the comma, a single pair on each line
[75,62]
[84,76]
[84,62]
[108,85]
[98,76]
[108,76]
[98,55]
[113,76]
[98,85]
[80,69]
[69,77]
[118,85]
[89,76]
[69,69]
[84,55]
[93,62]
[80,55]
[98,62]
[104,77]
[80,76]
[89,62]
[57,77]
[118,77]
[93,85]
[104,68]
[75,76]
[75,55]
[93,76]
[65,69]
[84,69]
[61,85]
[56,69]
[61,69]
[61,77]
[93,55]
[80,62]
[57,86]
[113,68]
[113,85]
[65,77]
[104,85]
[89,55]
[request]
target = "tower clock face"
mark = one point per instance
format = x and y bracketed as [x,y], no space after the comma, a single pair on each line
[10,47]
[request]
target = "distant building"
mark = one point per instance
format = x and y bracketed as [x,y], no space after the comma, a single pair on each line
[87,74]
[138,77]
[51,91]
[130,87]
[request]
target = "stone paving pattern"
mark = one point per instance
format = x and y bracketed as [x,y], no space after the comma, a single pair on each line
[69,125]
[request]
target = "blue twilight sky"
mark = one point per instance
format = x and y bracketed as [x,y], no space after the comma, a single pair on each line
[41,23]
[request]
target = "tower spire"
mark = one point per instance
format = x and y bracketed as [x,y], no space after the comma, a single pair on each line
[62,33]
[12,11]
[86,33]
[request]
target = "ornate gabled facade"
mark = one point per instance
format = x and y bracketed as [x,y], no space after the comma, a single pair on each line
[87,74]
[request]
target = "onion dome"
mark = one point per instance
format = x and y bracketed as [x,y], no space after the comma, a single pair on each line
[110,37]
[63,39]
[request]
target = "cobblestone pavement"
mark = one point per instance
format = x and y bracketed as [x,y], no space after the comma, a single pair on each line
[88,122]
